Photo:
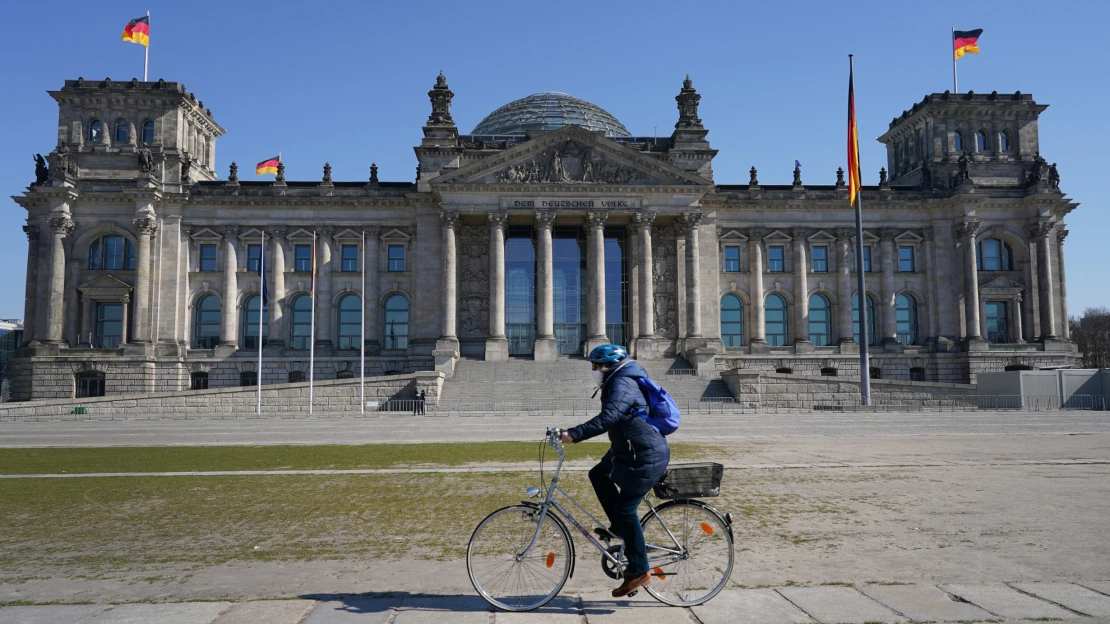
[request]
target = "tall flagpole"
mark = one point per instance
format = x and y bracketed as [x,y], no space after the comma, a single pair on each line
[261,308]
[362,342]
[312,330]
[864,360]
[146,54]
[952,51]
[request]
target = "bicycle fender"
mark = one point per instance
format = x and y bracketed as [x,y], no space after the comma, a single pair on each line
[698,503]
[563,527]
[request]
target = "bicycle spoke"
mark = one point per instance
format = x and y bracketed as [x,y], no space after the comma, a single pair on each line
[706,559]
[505,575]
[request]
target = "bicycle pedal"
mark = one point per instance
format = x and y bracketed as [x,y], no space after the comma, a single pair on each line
[632,593]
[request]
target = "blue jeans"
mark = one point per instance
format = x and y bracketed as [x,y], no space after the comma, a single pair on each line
[623,515]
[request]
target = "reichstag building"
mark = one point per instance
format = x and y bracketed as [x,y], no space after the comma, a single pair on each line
[546,230]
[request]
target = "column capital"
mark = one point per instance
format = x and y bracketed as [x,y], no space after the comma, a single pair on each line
[545,219]
[145,225]
[757,234]
[643,219]
[596,220]
[927,233]
[449,219]
[844,234]
[276,232]
[966,229]
[690,220]
[187,230]
[62,225]
[1061,234]
[497,220]
[230,232]
[373,231]
[799,234]
[887,234]
[32,232]
[126,298]
[1040,229]
[326,231]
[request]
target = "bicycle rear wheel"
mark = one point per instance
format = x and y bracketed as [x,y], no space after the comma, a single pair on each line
[504,574]
[698,566]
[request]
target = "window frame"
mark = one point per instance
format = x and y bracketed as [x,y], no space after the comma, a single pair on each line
[909,335]
[348,265]
[306,339]
[198,376]
[785,321]
[101,322]
[98,258]
[771,260]
[824,338]
[307,259]
[96,131]
[201,259]
[732,339]
[207,341]
[868,266]
[957,141]
[391,340]
[86,380]
[350,340]
[903,260]
[732,265]
[254,261]
[296,376]
[1005,141]
[981,144]
[824,260]
[248,324]
[395,268]
[248,379]
[149,123]
[124,127]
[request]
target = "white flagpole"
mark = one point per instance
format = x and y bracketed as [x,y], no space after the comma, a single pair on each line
[312,330]
[362,341]
[952,51]
[146,54]
[261,311]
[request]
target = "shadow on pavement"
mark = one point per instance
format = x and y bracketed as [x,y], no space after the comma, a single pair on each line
[447,603]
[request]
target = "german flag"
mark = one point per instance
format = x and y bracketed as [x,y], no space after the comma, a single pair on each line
[138,31]
[269,165]
[854,180]
[966,42]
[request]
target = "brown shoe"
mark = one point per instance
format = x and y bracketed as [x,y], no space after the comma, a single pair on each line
[631,584]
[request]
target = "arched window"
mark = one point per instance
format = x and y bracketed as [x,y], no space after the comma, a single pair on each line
[906,319]
[206,332]
[994,255]
[123,132]
[112,253]
[776,320]
[96,130]
[200,380]
[148,131]
[957,141]
[250,322]
[345,374]
[732,321]
[248,378]
[820,320]
[1004,141]
[349,322]
[396,325]
[89,384]
[296,376]
[300,326]
[981,141]
[871,338]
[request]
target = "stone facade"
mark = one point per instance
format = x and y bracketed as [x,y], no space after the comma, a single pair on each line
[142,268]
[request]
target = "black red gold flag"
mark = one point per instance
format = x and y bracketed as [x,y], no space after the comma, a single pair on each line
[138,31]
[269,165]
[965,42]
[854,181]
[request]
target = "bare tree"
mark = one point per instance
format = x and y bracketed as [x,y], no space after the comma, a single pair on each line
[1091,334]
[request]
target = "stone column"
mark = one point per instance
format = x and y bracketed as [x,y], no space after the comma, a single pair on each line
[1065,330]
[844,286]
[646,344]
[801,289]
[31,288]
[547,349]
[125,333]
[497,346]
[595,267]
[933,309]
[62,226]
[1041,231]
[691,221]
[275,331]
[758,332]
[889,329]
[145,226]
[449,226]
[323,287]
[73,276]
[1015,312]
[373,289]
[965,236]
[229,328]
[85,331]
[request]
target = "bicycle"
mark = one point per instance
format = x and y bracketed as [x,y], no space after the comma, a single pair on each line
[520,556]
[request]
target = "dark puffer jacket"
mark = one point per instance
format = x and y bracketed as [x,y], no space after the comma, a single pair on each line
[640,454]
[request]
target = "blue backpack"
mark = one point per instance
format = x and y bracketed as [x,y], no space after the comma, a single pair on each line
[662,412]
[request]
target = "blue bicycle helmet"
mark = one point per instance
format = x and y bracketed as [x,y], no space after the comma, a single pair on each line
[607,354]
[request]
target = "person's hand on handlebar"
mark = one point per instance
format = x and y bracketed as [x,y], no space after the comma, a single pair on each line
[565,438]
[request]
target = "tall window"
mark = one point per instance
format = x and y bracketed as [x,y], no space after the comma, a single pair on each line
[350,322]
[148,132]
[89,384]
[208,257]
[302,258]
[123,132]
[981,141]
[821,259]
[905,259]
[96,130]
[776,320]
[109,325]
[396,325]
[349,254]
[906,319]
[396,258]
[250,322]
[775,262]
[998,322]
[871,338]
[300,327]
[248,378]
[199,380]
[867,259]
[820,320]
[732,321]
[1004,140]
[958,141]
[112,253]
[994,255]
[732,259]
[254,257]
[207,326]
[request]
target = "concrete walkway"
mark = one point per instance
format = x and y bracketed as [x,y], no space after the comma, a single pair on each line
[1072,602]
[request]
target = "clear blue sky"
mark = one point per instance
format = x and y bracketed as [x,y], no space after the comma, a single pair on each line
[346,82]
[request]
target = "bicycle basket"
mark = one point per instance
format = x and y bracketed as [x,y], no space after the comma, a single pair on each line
[691,481]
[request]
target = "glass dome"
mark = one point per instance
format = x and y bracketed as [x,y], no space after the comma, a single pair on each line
[549,110]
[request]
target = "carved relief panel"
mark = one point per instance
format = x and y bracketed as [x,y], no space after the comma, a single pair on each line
[664,264]
[473,249]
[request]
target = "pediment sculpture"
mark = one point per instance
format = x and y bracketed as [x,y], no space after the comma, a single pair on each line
[572,163]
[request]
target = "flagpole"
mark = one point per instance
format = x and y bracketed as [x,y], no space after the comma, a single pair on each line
[261,305]
[955,83]
[362,342]
[146,54]
[312,330]
[861,295]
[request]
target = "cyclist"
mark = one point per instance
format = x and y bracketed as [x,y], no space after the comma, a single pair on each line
[637,458]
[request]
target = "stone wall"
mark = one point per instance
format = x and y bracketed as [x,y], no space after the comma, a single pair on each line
[757,390]
[329,397]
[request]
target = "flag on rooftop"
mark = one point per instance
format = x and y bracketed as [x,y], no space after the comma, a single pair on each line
[138,30]
[269,165]
[966,42]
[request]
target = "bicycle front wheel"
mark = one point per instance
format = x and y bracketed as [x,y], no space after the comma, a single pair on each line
[690,553]
[505,571]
